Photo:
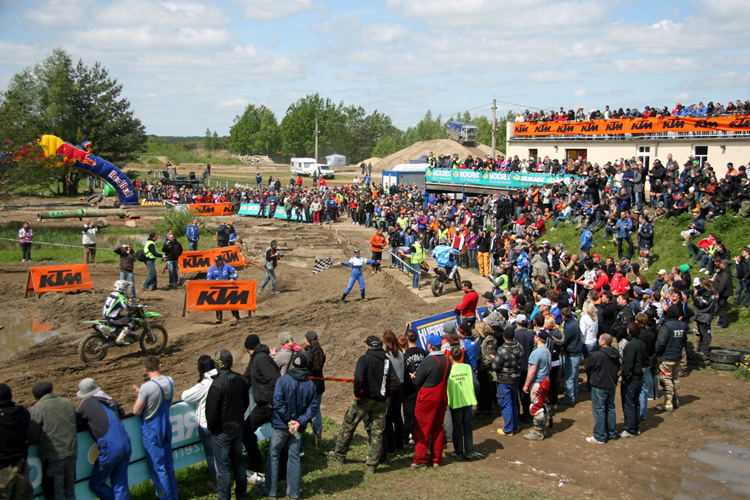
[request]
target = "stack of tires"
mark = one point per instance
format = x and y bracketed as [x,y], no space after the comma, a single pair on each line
[725,360]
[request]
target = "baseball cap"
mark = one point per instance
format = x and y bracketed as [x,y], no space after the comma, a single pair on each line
[544,302]
[662,271]
[373,341]
[488,296]
[597,256]
[648,291]
[521,318]
[434,340]
[449,327]
[542,334]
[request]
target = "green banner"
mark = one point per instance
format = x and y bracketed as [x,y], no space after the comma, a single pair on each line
[492,179]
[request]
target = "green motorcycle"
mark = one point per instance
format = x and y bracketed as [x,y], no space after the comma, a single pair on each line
[152,338]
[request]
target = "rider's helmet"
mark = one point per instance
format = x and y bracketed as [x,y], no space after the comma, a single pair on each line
[219,258]
[443,241]
[121,286]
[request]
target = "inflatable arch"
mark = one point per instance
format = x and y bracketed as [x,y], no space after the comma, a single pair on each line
[82,158]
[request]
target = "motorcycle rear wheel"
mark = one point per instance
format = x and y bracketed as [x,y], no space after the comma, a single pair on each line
[153,339]
[457,280]
[437,286]
[93,348]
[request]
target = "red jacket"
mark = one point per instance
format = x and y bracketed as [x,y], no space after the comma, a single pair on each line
[468,307]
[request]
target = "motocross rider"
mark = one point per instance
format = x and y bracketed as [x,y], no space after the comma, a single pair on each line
[116,309]
[442,255]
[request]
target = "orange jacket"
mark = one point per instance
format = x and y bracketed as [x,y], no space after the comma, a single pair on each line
[377,242]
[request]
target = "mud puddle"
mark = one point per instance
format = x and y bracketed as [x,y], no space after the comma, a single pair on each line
[21,331]
[731,473]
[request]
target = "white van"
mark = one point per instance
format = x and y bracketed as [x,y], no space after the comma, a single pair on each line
[308,166]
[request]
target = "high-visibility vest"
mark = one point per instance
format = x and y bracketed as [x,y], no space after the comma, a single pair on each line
[417,255]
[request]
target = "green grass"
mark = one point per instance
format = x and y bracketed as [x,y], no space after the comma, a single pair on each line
[668,252]
[394,479]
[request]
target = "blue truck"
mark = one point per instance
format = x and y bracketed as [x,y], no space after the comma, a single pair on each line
[462,132]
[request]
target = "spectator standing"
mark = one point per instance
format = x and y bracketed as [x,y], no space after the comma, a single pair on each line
[25,235]
[467,309]
[287,351]
[670,341]
[295,403]
[603,366]
[461,398]
[371,391]
[193,235]
[724,289]
[394,421]
[88,240]
[196,396]
[226,402]
[507,365]
[537,385]
[172,250]
[377,244]
[223,234]
[271,261]
[634,359]
[743,279]
[624,226]
[14,447]
[317,362]
[704,305]
[101,416]
[149,248]
[222,272]
[53,428]
[432,400]
[413,357]
[573,351]
[127,263]
[154,399]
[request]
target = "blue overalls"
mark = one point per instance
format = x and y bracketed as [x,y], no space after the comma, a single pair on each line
[112,463]
[356,264]
[157,440]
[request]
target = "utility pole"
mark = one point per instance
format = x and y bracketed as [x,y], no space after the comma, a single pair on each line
[316,139]
[494,125]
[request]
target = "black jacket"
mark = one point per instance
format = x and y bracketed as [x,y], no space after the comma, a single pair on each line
[703,304]
[172,250]
[434,369]
[723,285]
[671,340]
[372,377]
[261,374]
[603,366]
[507,362]
[634,359]
[14,434]
[620,326]
[226,402]
[413,357]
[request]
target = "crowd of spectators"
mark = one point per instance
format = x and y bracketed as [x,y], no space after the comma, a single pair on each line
[699,110]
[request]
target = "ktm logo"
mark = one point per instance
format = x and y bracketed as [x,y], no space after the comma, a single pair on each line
[204,209]
[223,296]
[196,261]
[230,256]
[62,277]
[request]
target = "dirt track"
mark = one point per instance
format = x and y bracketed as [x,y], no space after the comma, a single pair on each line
[656,464]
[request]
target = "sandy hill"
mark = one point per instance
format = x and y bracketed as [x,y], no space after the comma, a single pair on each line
[437,146]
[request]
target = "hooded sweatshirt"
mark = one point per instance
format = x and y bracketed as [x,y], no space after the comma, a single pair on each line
[372,375]
[603,365]
[294,398]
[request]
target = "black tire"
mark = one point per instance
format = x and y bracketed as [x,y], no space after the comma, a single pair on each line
[724,367]
[153,339]
[457,280]
[725,356]
[436,287]
[92,348]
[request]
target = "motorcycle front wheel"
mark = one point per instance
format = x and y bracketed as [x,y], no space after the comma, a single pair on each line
[93,348]
[437,286]
[153,339]
[457,280]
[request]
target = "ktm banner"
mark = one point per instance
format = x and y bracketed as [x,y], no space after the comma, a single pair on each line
[211,209]
[58,279]
[219,296]
[202,260]
[634,126]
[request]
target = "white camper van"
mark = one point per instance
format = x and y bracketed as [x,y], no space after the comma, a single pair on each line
[307,166]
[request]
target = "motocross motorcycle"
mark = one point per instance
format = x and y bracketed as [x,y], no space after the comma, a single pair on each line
[152,338]
[442,277]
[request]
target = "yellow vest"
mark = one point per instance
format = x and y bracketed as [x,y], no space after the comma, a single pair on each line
[417,255]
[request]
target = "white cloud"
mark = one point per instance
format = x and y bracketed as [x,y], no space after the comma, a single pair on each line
[667,65]
[239,103]
[385,33]
[554,76]
[265,10]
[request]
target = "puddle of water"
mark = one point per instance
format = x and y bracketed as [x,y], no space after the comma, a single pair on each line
[731,464]
[21,332]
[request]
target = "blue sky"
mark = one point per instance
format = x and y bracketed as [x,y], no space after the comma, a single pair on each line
[190,65]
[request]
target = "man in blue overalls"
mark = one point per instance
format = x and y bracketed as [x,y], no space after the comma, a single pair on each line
[356,264]
[154,400]
[101,415]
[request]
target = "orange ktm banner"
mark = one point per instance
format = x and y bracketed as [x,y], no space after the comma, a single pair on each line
[211,209]
[634,126]
[219,296]
[202,260]
[58,279]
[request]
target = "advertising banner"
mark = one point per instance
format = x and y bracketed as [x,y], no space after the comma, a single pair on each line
[219,296]
[201,260]
[511,180]
[253,209]
[634,126]
[434,325]
[211,209]
[186,451]
[58,279]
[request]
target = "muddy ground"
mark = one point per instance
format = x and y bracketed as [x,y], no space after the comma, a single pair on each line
[661,463]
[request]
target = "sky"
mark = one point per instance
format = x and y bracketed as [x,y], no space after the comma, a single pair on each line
[186,66]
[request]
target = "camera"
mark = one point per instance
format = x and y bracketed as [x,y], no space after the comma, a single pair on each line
[279,254]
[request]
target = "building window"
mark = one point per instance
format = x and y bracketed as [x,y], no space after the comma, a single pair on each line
[700,153]
[533,153]
[576,154]
[644,154]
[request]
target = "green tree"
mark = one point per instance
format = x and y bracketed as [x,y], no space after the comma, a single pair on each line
[256,132]
[75,103]
[484,129]
[298,126]
[427,129]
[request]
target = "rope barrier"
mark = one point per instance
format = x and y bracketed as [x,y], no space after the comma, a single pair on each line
[332,379]
[55,244]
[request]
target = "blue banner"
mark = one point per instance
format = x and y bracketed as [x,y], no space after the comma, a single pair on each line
[493,179]
[434,325]
[252,210]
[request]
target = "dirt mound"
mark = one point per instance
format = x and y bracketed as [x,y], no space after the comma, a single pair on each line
[437,146]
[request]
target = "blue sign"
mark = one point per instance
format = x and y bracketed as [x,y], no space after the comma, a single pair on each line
[434,325]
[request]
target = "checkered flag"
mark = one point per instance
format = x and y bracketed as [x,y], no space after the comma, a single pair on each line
[322,265]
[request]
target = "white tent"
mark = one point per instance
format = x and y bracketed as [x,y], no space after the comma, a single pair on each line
[336,160]
[410,167]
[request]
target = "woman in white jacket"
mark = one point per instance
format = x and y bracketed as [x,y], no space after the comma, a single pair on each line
[196,396]
[589,329]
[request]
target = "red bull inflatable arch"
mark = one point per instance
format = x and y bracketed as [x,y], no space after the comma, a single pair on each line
[82,157]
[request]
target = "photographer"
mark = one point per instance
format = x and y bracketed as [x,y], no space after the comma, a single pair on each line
[271,261]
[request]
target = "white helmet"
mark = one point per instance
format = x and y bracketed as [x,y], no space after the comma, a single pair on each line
[121,286]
